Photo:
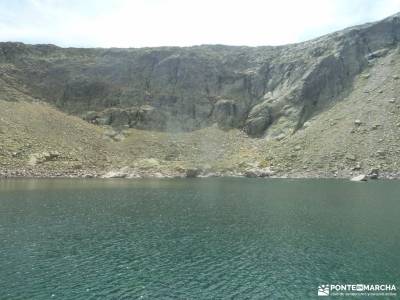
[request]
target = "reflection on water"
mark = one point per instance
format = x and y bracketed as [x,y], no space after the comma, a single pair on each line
[202,239]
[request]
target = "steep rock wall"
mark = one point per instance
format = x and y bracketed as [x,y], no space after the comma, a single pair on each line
[271,90]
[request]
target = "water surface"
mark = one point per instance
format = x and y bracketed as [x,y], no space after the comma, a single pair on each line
[195,239]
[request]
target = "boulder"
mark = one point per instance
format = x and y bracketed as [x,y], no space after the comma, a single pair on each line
[373,173]
[114,135]
[258,172]
[119,117]
[258,120]
[377,53]
[351,157]
[114,174]
[357,167]
[105,120]
[116,117]
[361,177]
[381,153]
[148,117]
[192,173]
[250,174]
[52,155]
[90,116]
[280,137]
[42,157]
[111,133]
[121,173]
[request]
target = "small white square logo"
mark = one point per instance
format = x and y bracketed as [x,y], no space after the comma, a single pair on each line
[360,287]
[323,290]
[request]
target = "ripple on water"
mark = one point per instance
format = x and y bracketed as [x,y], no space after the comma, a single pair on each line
[202,239]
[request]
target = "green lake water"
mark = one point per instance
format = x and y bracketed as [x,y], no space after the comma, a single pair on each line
[195,239]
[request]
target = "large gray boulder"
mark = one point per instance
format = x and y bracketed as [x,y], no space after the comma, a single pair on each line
[359,178]
[258,120]
[114,116]
[149,117]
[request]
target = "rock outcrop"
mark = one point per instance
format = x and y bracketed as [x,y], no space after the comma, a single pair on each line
[323,108]
[361,177]
[258,89]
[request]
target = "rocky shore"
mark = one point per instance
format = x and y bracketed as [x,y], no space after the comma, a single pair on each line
[129,173]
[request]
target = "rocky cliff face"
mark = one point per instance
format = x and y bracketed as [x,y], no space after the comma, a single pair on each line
[329,107]
[262,90]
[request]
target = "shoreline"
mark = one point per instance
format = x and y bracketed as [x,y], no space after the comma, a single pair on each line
[159,171]
[158,175]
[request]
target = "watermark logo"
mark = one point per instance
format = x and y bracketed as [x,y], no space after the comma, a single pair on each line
[372,290]
[323,290]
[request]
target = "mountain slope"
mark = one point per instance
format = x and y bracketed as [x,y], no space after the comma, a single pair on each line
[36,139]
[359,133]
[170,88]
[327,107]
